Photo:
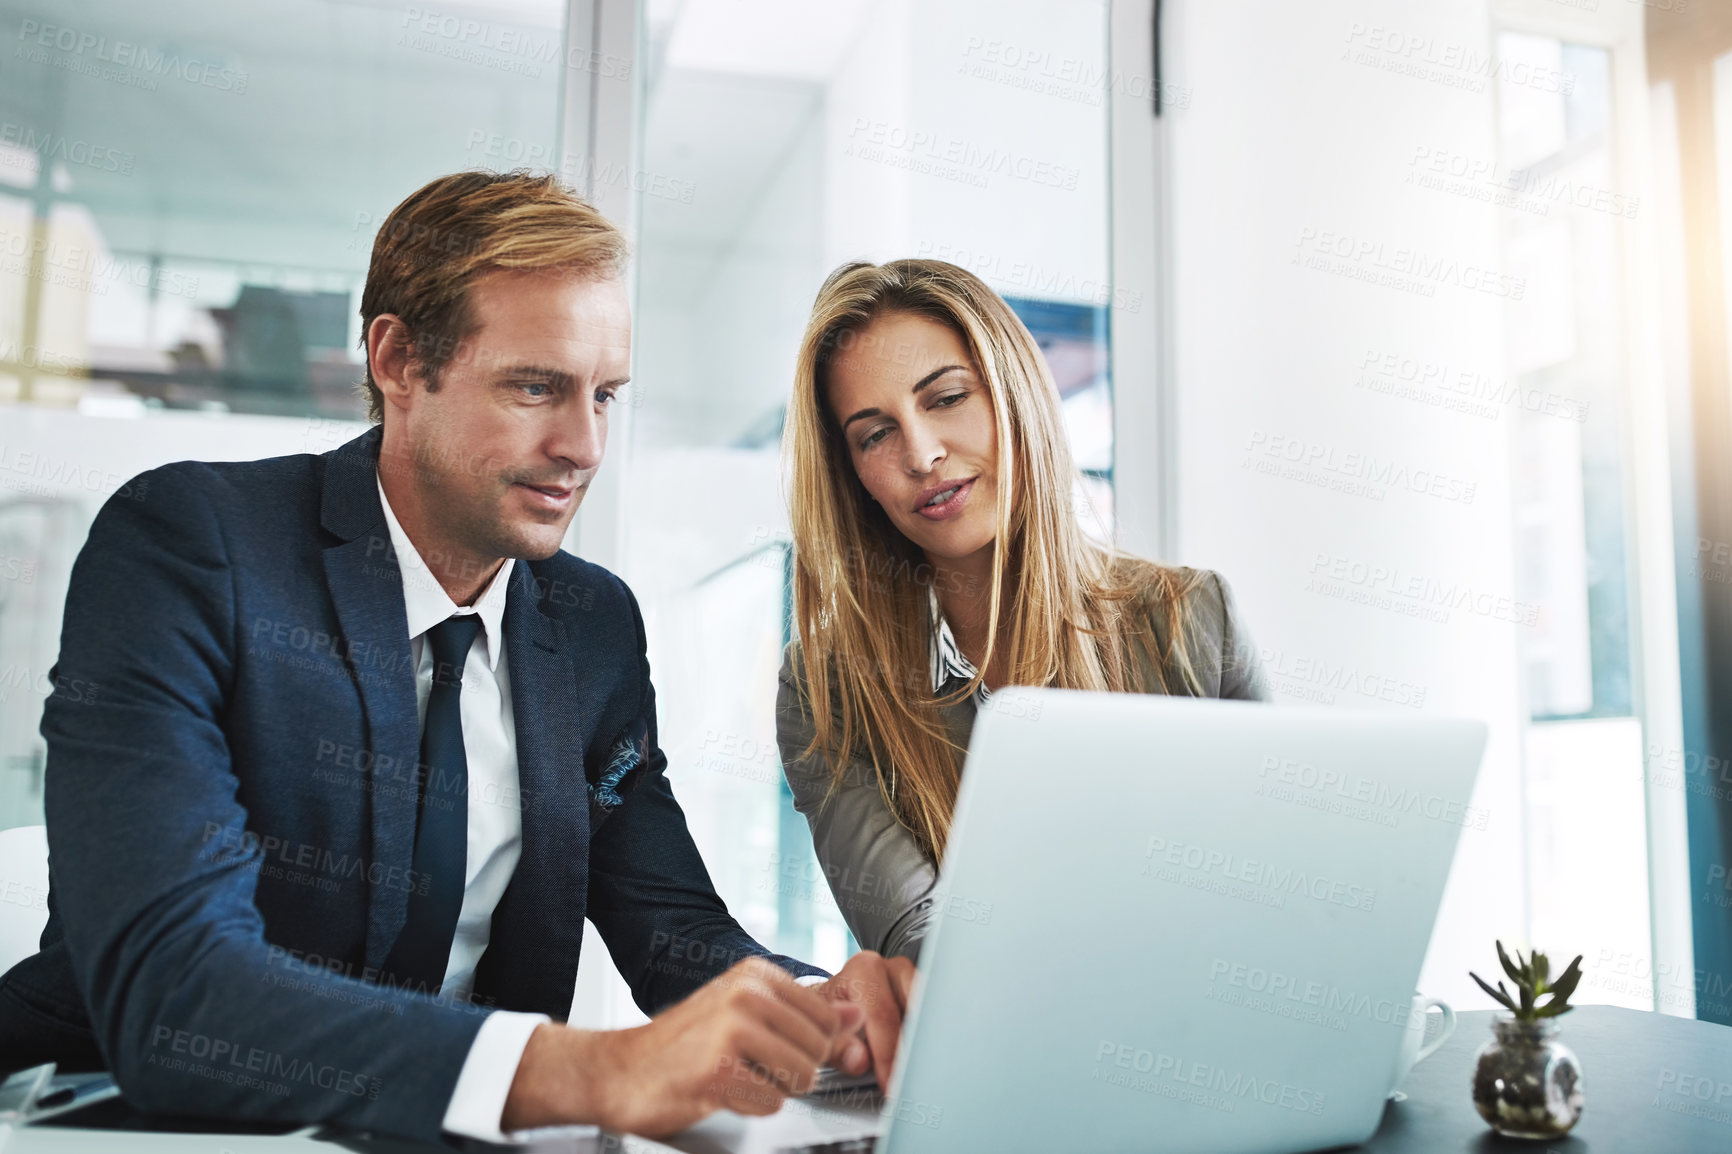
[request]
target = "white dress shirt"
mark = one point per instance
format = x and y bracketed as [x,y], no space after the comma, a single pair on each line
[495,822]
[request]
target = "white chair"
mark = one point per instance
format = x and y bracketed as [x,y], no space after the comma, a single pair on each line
[23,892]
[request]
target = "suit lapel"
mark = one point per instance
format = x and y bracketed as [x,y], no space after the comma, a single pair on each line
[367,590]
[531,961]
[556,697]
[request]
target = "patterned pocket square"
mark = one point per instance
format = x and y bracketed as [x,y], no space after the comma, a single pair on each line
[627,754]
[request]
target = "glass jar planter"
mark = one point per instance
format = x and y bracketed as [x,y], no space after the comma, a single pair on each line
[1525,1083]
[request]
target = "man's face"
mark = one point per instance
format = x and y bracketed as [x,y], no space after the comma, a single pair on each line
[503,449]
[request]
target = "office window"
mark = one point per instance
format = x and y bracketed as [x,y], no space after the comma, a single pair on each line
[191,191]
[188,197]
[1564,215]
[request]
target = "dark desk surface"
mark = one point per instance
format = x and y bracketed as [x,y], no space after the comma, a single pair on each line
[1650,1083]
[1653,1085]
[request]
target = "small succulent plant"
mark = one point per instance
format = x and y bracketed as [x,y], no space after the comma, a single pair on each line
[1533,981]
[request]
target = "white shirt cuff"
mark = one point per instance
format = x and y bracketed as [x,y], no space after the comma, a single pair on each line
[478,1102]
[811,979]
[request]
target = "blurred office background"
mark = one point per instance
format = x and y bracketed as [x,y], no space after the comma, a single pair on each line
[1407,316]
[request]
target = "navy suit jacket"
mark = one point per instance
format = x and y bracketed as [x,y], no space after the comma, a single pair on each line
[231,808]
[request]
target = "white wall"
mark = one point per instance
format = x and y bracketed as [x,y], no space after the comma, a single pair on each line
[750,335]
[1296,148]
[868,205]
[975,132]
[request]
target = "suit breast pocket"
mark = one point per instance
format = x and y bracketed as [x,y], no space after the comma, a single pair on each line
[619,773]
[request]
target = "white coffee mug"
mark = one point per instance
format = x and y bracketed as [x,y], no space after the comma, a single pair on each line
[1414,1048]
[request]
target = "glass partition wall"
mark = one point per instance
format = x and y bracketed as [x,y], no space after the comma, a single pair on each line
[780,139]
[189,192]
[188,197]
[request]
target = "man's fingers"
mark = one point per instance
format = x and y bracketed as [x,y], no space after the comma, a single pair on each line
[783,1065]
[761,977]
[856,1058]
[810,1002]
[744,1089]
[788,1021]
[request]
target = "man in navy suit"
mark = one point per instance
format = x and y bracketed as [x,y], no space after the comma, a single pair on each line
[368,748]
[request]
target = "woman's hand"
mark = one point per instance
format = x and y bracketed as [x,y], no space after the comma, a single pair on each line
[881,987]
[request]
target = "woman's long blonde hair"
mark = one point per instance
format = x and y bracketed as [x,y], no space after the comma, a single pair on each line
[1064,610]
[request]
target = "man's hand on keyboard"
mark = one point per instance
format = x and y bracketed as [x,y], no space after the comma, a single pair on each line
[744,1042]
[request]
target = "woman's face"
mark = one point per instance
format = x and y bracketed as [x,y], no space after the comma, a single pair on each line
[918,422]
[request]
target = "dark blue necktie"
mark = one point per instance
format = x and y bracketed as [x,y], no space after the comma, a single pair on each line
[422,951]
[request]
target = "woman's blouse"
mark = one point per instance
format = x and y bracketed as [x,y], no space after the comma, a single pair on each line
[880,877]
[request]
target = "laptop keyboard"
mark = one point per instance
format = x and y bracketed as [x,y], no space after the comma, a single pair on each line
[846,1146]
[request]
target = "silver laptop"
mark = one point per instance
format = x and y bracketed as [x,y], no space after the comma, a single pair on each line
[1170,924]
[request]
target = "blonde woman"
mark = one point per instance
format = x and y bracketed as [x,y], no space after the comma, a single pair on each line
[937,558]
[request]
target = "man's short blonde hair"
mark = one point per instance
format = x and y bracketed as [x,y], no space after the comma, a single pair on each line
[459,228]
